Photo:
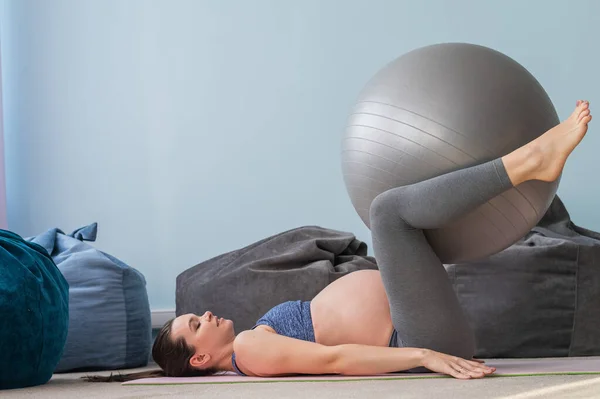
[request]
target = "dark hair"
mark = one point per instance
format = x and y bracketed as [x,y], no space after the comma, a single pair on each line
[173,357]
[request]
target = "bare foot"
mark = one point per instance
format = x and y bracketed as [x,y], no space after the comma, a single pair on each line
[552,148]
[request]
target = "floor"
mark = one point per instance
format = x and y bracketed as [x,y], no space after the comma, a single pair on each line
[66,386]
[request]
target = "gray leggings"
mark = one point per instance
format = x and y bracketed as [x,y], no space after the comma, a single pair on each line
[424,308]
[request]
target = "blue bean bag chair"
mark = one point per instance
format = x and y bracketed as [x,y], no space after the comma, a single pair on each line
[34,313]
[109,312]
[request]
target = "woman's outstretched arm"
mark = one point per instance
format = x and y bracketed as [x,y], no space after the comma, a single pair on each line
[266,354]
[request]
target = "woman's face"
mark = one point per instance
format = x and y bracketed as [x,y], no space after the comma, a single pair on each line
[208,334]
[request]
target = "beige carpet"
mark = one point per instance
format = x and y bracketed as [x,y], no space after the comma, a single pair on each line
[562,386]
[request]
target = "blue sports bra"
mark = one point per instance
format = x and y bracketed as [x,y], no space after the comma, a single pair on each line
[291,319]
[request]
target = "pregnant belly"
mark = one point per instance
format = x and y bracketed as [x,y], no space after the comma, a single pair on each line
[353,310]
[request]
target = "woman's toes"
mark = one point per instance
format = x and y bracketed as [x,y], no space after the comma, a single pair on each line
[581,105]
[583,114]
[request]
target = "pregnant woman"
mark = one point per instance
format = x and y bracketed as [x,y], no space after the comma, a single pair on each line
[403,317]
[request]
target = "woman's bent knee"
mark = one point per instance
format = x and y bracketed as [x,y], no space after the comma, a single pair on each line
[386,210]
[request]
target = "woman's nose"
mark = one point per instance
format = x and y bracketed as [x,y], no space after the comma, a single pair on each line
[208,315]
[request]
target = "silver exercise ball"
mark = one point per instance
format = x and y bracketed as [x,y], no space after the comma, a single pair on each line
[441,108]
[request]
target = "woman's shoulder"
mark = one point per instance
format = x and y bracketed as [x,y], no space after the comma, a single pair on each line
[244,344]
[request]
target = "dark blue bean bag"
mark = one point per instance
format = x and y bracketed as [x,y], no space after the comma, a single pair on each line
[34,313]
[110,324]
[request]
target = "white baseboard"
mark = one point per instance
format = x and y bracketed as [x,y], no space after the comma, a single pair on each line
[160,317]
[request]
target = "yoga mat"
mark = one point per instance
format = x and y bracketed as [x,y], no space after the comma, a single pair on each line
[504,368]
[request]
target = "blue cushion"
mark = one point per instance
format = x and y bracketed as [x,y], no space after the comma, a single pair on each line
[109,310]
[34,309]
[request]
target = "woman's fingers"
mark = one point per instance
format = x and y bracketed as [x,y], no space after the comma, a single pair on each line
[477,366]
[457,367]
[455,372]
[474,366]
[467,371]
[477,360]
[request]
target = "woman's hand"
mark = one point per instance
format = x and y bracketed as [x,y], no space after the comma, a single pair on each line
[455,366]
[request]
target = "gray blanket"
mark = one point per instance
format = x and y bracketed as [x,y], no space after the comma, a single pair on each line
[538,298]
[294,265]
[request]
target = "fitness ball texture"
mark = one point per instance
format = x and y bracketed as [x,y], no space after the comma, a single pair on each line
[441,108]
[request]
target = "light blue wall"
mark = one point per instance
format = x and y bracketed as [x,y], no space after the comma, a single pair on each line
[191,128]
